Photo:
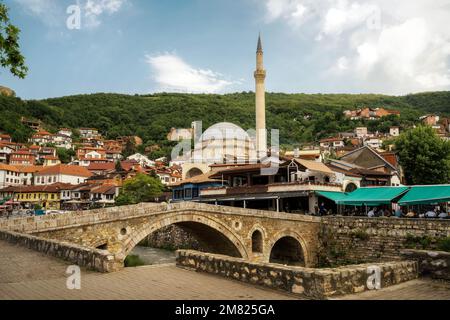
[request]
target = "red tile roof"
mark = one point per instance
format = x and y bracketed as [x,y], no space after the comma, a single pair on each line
[101,166]
[66,170]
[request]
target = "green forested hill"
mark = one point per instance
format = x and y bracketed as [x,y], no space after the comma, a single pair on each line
[301,118]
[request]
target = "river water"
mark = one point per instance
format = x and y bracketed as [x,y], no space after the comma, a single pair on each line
[152,256]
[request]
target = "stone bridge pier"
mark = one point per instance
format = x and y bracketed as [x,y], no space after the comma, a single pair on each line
[258,236]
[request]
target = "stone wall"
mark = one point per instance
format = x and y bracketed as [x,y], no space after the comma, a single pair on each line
[352,240]
[431,263]
[313,283]
[172,238]
[88,258]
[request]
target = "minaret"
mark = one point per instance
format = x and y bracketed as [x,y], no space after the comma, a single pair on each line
[260,77]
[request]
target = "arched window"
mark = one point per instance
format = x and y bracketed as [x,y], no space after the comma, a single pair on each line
[257,242]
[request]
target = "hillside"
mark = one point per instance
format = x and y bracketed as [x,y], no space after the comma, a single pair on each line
[302,118]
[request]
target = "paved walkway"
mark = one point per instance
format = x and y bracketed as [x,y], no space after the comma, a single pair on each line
[25,274]
[421,289]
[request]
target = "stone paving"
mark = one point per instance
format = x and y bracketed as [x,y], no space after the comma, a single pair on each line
[25,274]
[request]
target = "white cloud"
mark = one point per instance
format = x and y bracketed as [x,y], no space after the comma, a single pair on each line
[295,12]
[48,11]
[173,74]
[390,46]
[94,9]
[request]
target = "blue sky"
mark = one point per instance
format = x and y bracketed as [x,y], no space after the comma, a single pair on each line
[312,46]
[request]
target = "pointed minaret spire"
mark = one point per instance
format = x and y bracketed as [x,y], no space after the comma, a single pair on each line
[259,49]
[260,77]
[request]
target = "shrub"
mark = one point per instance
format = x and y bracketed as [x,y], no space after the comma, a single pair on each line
[444,244]
[133,261]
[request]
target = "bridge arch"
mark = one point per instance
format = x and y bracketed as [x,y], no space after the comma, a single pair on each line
[203,226]
[289,240]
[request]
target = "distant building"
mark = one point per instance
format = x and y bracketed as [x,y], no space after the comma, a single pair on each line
[89,133]
[33,124]
[5,138]
[179,134]
[51,161]
[65,132]
[22,157]
[369,159]
[430,119]
[90,153]
[369,113]
[332,143]
[62,174]
[5,151]
[394,131]
[373,142]
[361,132]
[144,161]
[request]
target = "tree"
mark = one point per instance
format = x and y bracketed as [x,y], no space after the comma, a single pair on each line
[141,188]
[130,148]
[10,56]
[424,156]
[65,155]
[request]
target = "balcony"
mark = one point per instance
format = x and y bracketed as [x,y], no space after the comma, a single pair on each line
[271,188]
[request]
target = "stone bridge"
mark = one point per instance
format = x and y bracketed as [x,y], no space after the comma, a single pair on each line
[254,235]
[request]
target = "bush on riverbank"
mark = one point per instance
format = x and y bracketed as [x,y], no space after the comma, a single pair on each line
[133,261]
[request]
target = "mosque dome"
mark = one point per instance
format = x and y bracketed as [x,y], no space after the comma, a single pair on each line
[227,131]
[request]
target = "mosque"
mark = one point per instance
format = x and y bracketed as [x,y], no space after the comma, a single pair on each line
[228,144]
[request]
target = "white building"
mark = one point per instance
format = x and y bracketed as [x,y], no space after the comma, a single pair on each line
[5,151]
[394,131]
[17,175]
[144,161]
[62,174]
[361,132]
[374,143]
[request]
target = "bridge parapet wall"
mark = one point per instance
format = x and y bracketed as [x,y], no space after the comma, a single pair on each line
[313,283]
[89,258]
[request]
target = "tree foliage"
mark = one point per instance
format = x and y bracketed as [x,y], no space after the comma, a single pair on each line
[142,188]
[424,157]
[10,55]
[301,118]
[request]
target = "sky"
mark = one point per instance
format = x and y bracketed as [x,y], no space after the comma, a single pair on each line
[208,46]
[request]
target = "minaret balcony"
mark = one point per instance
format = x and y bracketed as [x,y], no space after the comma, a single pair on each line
[260,74]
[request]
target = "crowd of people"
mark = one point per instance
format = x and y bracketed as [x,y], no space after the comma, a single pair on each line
[399,212]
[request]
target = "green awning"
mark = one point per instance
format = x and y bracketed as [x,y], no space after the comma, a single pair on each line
[333,196]
[373,196]
[426,195]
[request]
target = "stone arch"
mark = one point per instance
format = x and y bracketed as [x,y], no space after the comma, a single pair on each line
[290,234]
[188,219]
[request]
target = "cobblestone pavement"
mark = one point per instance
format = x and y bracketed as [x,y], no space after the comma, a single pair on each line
[25,274]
